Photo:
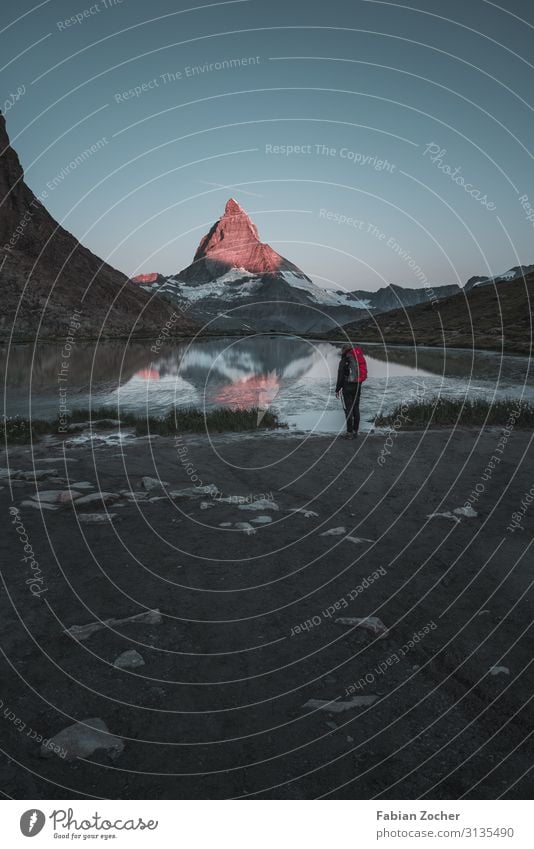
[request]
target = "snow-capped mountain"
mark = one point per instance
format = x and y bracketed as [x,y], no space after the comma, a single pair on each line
[237,281]
[507,276]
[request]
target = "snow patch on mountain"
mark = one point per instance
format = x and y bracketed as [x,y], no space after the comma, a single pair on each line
[323,296]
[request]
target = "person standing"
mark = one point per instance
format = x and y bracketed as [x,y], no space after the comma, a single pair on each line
[351,374]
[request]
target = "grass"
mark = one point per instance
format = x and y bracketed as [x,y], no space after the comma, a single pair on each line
[441,412]
[16,430]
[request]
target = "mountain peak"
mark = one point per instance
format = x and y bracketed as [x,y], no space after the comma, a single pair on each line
[233,208]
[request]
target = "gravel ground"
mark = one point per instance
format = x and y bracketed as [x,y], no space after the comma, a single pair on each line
[248,632]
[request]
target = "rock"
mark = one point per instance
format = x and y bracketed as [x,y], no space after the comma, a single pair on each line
[83,632]
[339,707]
[148,484]
[445,515]
[97,518]
[205,505]
[261,520]
[467,511]
[370,623]
[83,485]
[56,496]
[308,514]
[245,527]
[38,474]
[132,495]
[129,660]
[358,539]
[499,670]
[97,499]
[83,739]
[225,524]
[260,504]
[37,505]
[195,491]
[334,532]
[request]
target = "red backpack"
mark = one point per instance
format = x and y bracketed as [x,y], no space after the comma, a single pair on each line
[357,366]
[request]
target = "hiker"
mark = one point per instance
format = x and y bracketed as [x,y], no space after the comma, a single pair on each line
[351,374]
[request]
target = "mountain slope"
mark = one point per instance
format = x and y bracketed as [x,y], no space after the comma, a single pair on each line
[46,274]
[496,317]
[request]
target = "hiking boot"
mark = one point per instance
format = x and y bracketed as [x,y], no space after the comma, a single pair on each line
[347,435]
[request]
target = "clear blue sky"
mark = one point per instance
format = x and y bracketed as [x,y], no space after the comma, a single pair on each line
[372,82]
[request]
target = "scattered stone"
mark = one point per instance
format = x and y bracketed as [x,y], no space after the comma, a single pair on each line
[83,632]
[340,707]
[499,670]
[83,739]
[132,495]
[83,485]
[468,512]
[358,539]
[149,484]
[334,532]
[350,739]
[129,660]
[308,514]
[370,623]
[97,518]
[245,527]
[97,499]
[225,524]
[261,520]
[260,504]
[37,505]
[195,491]
[331,724]
[445,515]
[56,496]
[205,505]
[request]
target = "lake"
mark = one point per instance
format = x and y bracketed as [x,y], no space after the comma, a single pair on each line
[294,377]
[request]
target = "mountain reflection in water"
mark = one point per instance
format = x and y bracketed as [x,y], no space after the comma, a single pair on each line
[295,376]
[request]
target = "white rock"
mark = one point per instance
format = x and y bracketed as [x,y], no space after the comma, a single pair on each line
[339,707]
[97,518]
[308,514]
[97,499]
[260,504]
[195,491]
[499,670]
[38,505]
[370,623]
[56,496]
[83,739]
[149,484]
[130,659]
[261,520]
[83,632]
[334,532]
[468,512]
[245,527]
[445,515]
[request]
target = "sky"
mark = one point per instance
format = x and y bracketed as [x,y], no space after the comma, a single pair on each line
[371,142]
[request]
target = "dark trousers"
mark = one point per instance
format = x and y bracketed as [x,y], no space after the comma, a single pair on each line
[351,403]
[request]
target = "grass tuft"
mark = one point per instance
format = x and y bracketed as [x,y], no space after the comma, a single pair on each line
[442,412]
[18,431]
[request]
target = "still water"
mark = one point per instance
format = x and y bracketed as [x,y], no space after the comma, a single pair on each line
[293,377]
